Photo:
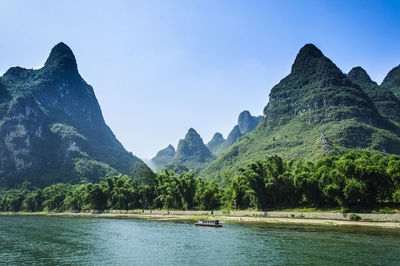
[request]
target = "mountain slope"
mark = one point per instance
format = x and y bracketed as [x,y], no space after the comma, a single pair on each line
[314,111]
[392,81]
[384,100]
[191,153]
[52,128]
[247,122]
[163,157]
[217,144]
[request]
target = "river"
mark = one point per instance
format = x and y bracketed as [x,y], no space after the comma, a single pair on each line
[97,241]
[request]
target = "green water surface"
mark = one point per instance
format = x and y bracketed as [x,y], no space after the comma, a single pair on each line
[96,241]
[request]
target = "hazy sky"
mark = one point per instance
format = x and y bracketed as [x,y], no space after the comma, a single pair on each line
[161,67]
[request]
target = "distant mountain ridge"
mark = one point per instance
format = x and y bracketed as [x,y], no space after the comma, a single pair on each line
[383,98]
[191,153]
[317,110]
[163,157]
[52,128]
[246,123]
[217,144]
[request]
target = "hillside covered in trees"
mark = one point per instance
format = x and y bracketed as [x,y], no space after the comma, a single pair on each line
[316,111]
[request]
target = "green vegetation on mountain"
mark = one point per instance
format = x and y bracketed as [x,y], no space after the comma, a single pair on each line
[299,153]
[392,81]
[247,122]
[140,173]
[233,136]
[354,181]
[384,100]
[191,153]
[52,128]
[163,157]
[217,144]
[313,112]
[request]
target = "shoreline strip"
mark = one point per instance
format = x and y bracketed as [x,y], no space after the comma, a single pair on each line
[244,219]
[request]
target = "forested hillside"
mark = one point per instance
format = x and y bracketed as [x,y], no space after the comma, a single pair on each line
[316,111]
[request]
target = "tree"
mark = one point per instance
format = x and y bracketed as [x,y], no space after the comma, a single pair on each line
[187,185]
[33,201]
[354,193]
[94,198]
[168,191]
[54,196]
[12,200]
[207,195]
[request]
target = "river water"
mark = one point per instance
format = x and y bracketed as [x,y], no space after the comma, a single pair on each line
[96,241]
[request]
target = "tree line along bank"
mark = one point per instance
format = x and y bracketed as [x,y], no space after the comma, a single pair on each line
[356,180]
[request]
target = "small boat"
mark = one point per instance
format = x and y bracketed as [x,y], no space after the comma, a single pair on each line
[213,223]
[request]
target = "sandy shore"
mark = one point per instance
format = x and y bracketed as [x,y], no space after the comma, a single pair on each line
[225,219]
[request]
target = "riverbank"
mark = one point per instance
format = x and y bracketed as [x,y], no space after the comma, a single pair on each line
[243,217]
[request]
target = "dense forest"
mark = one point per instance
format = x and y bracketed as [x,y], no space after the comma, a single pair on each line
[356,180]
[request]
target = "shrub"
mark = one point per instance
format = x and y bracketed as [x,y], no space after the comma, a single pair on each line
[355,217]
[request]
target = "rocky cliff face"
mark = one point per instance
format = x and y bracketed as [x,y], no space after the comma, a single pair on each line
[52,128]
[314,111]
[191,153]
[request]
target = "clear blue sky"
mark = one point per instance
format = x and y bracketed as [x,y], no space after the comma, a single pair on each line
[161,67]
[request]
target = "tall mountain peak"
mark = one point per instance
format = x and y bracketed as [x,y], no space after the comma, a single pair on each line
[311,64]
[314,84]
[310,50]
[52,128]
[306,56]
[314,111]
[61,56]
[360,76]
[193,137]
[192,131]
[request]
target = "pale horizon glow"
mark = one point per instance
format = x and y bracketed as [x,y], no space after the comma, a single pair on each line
[159,67]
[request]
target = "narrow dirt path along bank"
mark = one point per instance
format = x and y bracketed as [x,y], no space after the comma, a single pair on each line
[311,218]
